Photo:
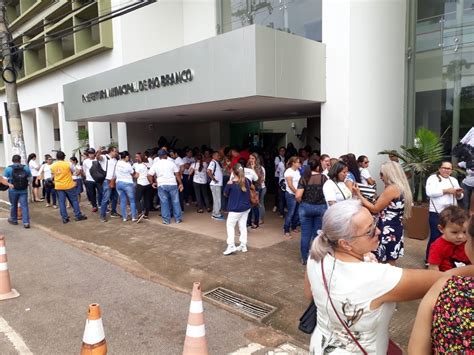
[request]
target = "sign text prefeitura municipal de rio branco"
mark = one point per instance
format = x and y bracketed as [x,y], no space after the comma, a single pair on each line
[156,82]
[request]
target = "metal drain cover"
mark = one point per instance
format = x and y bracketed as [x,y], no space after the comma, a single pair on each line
[242,304]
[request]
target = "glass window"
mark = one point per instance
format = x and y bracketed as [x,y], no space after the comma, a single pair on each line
[300,17]
[444,68]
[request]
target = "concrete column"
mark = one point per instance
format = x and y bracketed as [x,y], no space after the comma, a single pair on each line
[122,136]
[28,121]
[45,128]
[99,134]
[67,132]
[365,71]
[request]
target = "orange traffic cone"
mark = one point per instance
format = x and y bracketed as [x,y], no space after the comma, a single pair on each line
[6,291]
[93,341]
[195,342]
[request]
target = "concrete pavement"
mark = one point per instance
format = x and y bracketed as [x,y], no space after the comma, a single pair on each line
[57,282]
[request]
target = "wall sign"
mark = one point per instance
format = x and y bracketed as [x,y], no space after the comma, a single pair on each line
[156,82]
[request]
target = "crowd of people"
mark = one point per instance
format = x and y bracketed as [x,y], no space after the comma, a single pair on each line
[351,236]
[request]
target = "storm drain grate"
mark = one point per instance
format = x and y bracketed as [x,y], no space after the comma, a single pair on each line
[242,304]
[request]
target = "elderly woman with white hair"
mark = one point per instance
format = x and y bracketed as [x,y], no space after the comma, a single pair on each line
[355,298]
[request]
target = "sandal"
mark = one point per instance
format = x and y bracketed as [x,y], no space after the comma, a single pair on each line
[200,211]
[254,226]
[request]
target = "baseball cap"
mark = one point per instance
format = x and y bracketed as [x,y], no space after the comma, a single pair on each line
[90,151]
[162,153]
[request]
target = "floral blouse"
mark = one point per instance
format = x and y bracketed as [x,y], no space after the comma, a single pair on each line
[452,329]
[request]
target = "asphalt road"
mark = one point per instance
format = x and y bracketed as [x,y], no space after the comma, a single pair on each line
[57,282]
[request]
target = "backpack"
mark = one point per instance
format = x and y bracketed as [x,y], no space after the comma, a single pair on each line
[97,173]
[19,177]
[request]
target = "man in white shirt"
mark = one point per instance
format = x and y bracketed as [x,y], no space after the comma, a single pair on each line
[280,158]
[173,155]
[108,162]
[214,171]
[169,184]
[188,192]
[93,190]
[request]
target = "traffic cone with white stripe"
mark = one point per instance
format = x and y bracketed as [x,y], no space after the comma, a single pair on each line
[195,342]
[6,291]
[93,341]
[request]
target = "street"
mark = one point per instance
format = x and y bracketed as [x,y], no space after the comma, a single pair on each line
[57,283]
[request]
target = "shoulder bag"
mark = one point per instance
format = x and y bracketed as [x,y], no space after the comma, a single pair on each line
[393,349]
[309,319]
[254,200]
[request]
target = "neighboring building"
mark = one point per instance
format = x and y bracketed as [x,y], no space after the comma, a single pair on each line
[338,75]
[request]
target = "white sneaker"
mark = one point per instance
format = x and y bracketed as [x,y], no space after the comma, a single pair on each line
[230,249]
[274,209]
[242,248]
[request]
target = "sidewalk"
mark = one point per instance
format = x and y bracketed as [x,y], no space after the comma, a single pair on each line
[178,255]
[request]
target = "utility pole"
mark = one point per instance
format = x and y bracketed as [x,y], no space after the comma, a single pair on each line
[13,107]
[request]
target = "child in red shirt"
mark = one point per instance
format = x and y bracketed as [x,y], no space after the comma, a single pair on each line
[447,252]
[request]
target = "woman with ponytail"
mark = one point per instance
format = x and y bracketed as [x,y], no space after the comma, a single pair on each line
[237,191]
[339,278]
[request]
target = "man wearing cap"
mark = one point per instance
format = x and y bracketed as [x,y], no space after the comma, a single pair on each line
[93,190]
[169,184]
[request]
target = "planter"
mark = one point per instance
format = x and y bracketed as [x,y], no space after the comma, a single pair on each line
[417,226]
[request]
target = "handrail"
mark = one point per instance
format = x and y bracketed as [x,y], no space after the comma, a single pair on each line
[443,15]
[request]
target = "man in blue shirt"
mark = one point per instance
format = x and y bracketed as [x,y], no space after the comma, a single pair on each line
[17,176]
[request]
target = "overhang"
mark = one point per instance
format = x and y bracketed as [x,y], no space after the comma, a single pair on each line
[251,73]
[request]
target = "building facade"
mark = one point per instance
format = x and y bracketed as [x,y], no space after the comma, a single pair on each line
[339,75]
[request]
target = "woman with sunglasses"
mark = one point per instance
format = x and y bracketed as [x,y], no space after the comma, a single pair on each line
[355,299]
[443,191]
[394,204]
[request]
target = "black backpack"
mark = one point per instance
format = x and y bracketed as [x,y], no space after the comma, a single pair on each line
[19,177]
[97,173]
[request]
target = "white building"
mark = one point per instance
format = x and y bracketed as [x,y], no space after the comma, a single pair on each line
[344,79]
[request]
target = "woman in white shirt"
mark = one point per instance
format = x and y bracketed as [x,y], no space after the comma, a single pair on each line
[198,170]
[48,183]
[124,177]
[36,184]
[77,176]
[443,191]
[364,294]
[254,165]
[292,177]
[143,189]
[335,189]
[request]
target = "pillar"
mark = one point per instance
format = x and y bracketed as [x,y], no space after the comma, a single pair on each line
[67,132]
[365,73]
[99,134]
[45,129]
[122,136]
[28,121]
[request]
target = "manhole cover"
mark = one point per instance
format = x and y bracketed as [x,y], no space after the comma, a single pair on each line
[242,304]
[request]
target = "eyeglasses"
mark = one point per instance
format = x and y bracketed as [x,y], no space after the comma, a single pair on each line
[366,162]
[371,234]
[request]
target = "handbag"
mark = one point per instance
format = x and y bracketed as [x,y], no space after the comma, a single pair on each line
[254,200]
[309,319]
[393,349]
[282,185]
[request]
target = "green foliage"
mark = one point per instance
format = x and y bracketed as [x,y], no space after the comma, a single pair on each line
[83,136]
[422,159]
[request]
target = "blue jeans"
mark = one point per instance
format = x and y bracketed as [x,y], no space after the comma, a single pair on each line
[22,197]
[434,231]
[169,198]
[311,218]
[71,194]
[254,215]
[127,190]
[291,218]
[108,194]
